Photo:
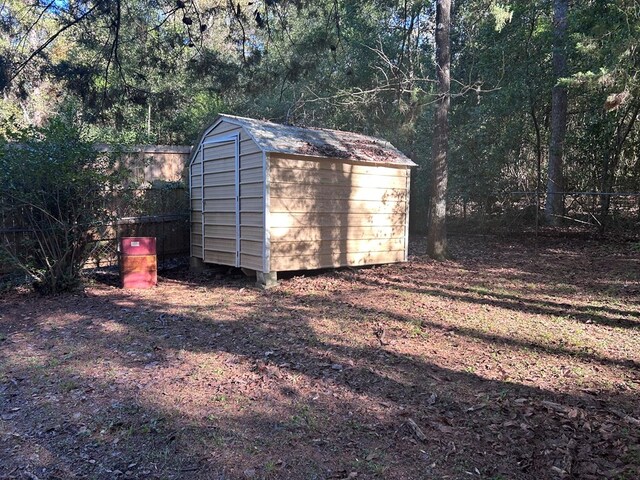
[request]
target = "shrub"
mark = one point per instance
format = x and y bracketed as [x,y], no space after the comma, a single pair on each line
[56,190]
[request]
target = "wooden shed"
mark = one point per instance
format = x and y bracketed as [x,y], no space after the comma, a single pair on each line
[267,197]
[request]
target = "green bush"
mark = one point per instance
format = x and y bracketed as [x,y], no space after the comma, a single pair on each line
[56,190]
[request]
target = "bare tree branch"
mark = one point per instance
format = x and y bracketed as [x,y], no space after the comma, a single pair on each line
[51,39]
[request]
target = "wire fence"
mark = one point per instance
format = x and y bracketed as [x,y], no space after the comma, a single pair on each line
[156,212]
[162,213]
[524,210]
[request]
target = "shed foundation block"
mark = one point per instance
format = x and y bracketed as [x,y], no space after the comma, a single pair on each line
[266,280]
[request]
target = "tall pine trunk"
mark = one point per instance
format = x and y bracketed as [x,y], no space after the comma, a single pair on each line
[559,99]
[437,231]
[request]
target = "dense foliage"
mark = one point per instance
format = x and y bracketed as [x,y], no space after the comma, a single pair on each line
[56,191]
[157,71]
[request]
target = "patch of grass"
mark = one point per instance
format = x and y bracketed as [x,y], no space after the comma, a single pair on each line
[303,418]
[565,289]
[253,449]
[482,290]
[578,372]
[270,466]
[117,427]
[150,427]
[53,362]
[415,329]
[632,455]
[213,368]
[375,468]
[505,292]
[374,463]
[405,294]
[34,362]
[68,385]
[212,437]
[355,425]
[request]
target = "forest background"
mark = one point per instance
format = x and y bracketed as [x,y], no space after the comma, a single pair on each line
[157,71]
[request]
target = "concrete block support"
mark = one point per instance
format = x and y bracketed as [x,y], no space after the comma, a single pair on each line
[267,280]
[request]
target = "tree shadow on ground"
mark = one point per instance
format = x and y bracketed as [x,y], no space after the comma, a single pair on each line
[521,303]
[202,380]
[586,266]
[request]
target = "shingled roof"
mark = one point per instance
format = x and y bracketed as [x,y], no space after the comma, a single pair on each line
[319,142]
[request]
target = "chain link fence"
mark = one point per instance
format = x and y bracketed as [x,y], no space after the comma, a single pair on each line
[155,212]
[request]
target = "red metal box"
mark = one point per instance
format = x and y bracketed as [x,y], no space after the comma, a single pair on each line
[139,271]
[138,262]
[138,246]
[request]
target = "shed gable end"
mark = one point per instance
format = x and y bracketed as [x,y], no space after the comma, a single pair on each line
[227,192]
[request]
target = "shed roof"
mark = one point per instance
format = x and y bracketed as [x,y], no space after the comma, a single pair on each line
[319,142]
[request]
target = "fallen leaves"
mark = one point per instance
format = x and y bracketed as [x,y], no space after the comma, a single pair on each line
[417,431]
[625,417]
[479,365]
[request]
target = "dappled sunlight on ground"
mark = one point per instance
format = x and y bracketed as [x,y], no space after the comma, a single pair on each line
[504,362]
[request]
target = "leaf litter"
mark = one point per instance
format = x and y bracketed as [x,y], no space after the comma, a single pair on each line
[505,362]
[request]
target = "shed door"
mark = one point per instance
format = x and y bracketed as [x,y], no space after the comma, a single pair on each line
[220,209]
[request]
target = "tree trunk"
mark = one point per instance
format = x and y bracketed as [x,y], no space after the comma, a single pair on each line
[554,204]
[536,126]
[437,232]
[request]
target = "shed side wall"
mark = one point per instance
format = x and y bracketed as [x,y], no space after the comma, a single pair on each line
[330,213]
[220,191]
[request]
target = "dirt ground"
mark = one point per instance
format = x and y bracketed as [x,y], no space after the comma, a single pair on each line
[506,362]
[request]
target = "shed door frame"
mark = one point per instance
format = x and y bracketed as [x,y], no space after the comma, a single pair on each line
[235,138]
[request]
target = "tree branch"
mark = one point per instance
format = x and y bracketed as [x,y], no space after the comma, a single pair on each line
[51,39]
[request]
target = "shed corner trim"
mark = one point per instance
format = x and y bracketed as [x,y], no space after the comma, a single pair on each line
[266,196]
